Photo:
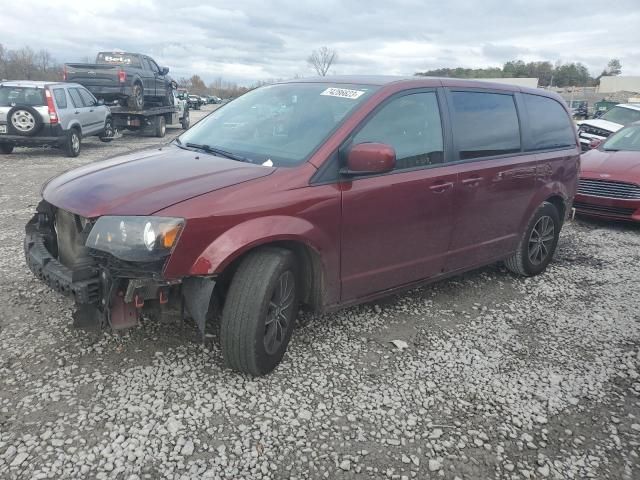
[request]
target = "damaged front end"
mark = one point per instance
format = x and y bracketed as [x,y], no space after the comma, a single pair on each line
[112,267]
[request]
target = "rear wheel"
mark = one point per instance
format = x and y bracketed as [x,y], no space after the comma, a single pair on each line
[260,311]
[136,100]
[538,244]
[72,143]
[160,126]
[6,148]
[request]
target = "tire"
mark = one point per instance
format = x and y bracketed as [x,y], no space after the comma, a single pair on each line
[249,321]
[538,244]
[73,143]
[108,132]
[186,121]
[6,148]
[24,120]
[136,100]
[160,126]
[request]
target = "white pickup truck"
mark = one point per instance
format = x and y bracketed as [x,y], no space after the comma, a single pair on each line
[597,129]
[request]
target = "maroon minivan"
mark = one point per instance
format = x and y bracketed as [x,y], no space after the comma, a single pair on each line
[315,193]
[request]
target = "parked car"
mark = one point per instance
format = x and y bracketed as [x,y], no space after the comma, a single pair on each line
[609,122]
[346,189]
[129,78]
[195,102]
[50,113]
[609,184]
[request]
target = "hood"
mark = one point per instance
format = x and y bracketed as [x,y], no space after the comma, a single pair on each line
[145,182]
[619,166]
[603,124]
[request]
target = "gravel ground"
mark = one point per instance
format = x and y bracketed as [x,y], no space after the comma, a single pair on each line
[493,376]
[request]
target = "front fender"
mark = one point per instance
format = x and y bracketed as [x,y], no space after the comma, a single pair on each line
[252,233]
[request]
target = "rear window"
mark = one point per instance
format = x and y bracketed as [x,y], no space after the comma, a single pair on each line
[486,124]
[61,97]
[550,126]
[114,58]
[622,115]
[10,96]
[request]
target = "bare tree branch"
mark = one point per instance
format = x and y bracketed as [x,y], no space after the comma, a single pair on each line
[322,59]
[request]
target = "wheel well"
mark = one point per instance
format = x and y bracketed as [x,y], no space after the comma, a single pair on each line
[310,271]
[558,202]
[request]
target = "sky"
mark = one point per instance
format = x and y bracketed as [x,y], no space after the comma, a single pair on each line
[251,40]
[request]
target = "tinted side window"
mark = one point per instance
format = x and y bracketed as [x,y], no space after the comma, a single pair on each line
[88,99]
[61,97]
[411,125]
[75,98]
[550,126]
[485,124]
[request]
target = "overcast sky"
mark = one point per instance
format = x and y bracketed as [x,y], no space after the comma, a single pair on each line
[247,40]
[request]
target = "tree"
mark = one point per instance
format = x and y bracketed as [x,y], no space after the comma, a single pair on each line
[614,67]
[322,59]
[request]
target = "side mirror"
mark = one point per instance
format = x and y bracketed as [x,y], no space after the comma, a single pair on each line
[164,70]
[369,159]
[100,101]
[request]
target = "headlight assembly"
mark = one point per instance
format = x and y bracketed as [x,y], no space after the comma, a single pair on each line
[135,239]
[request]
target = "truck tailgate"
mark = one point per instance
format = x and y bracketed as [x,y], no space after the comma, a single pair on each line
[92,74]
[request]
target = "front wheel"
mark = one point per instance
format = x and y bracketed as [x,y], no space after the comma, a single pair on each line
[538,244]
[186,121]
[108,132]
[160,126]
[260,311]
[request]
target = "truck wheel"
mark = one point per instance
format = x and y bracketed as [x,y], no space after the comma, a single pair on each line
[24,121]
[538,244]
[160,126]
[136,100]
[260,311]
[108,132]
[6,148]
[72,143]
[186,121]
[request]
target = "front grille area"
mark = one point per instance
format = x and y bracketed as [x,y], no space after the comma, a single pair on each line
[594,130]
[603,209]
[609,189]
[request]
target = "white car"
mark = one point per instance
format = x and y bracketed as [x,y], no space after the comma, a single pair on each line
[598,129]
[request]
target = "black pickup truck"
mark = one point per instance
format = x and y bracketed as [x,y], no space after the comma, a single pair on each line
[131,79]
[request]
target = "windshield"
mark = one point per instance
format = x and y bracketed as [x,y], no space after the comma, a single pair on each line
[622,115]
[278,124]
[627,139]
[113,58]
[31,96]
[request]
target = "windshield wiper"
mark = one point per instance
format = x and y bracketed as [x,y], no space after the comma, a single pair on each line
[218,151]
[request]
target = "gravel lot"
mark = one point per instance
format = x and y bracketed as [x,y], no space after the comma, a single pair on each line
[501,377]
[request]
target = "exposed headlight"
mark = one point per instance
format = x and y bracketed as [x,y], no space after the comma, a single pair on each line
[136,239]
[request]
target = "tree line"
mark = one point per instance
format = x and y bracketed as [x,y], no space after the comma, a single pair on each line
[548,75]
[28,64]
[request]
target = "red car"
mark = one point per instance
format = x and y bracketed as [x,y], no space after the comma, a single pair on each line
[609,185]
[314,193]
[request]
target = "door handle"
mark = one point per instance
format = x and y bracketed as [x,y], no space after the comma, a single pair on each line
[441,187]
[76,112]
[91,110]
[471,181]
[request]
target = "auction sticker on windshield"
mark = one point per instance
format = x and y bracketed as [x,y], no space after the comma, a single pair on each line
[342,93]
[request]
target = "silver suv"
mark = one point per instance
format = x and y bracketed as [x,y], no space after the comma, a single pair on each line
[46,113]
